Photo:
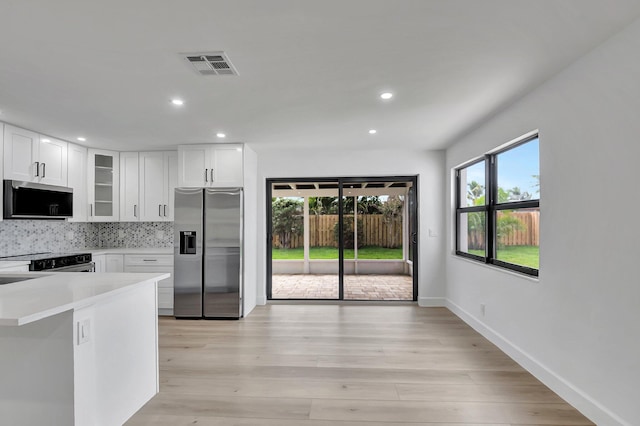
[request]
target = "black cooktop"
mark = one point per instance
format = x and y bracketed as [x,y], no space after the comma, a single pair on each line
[45,261]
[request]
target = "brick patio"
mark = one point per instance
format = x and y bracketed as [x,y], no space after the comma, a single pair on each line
[356,287]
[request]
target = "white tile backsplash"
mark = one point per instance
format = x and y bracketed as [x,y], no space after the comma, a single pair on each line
[36,236]
[136,234]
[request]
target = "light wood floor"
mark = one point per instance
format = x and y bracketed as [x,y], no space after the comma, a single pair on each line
[322,365]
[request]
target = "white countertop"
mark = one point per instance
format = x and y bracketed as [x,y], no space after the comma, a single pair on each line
[12,263]
[98,251]
[49,293]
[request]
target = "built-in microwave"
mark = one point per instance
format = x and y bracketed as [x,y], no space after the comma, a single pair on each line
[28,200]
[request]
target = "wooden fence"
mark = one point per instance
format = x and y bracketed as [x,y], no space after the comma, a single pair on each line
[529,235]
[375,232]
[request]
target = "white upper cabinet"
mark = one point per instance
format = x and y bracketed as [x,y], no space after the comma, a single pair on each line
[77,180]
[52,155]
[129,181]
[193,165]
[103,191]
[19,154]
[158,176]
[217,165]
[31,157]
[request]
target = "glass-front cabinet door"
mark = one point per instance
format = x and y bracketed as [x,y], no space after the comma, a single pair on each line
[103,190]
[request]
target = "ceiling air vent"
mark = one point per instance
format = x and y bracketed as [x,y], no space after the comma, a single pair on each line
[212,63]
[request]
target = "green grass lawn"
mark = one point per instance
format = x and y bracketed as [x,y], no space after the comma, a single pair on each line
[332,253]
[519,255]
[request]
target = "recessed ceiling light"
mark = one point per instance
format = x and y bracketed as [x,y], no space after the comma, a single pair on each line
[177,102]
[221,135]
[45,140]
[81,139]
[373,131]
[386,95]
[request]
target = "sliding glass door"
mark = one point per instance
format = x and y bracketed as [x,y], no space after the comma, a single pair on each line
[304,240]
[342,239]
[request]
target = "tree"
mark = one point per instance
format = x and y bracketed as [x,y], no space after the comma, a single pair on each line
[369,205]
[475,191]
[323,205]
[392,214]
[537,183]
[506,224]
[515,194]
[476,228]
[349,241]
[287,219]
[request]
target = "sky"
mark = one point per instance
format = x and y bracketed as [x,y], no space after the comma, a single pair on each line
[516,167]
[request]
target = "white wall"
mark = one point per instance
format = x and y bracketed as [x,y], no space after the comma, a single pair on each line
[341,163]
[251,209]
[578,327]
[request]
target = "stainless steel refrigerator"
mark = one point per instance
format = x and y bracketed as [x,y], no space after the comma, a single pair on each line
[208,253]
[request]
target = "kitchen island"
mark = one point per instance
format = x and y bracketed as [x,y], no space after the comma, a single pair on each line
[77,348]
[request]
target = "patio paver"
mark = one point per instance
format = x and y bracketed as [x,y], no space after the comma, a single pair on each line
[356,287]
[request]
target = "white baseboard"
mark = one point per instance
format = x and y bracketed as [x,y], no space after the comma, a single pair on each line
[593,410]
[432,302]
[261,300]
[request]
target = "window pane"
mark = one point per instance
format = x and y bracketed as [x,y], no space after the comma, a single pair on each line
[519,173]
[472,186]
[471,233]
[517,237]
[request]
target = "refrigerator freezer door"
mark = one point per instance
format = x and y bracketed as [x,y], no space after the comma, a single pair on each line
[222,283]
[187,293]
[223,253]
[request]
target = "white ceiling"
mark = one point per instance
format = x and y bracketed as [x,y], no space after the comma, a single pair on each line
[310,71]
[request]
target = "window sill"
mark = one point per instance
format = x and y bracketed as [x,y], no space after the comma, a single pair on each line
[497,268]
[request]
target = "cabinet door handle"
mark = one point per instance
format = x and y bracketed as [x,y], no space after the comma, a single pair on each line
[37,169]
[90,209]
[206,172]
[135,213]
[211,175]
[44,170]
[149,260]
[160,210]
[165,210]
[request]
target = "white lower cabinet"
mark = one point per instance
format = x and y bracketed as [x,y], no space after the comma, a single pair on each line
[23,268]
[100,261]
[114,263]
[155,263]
